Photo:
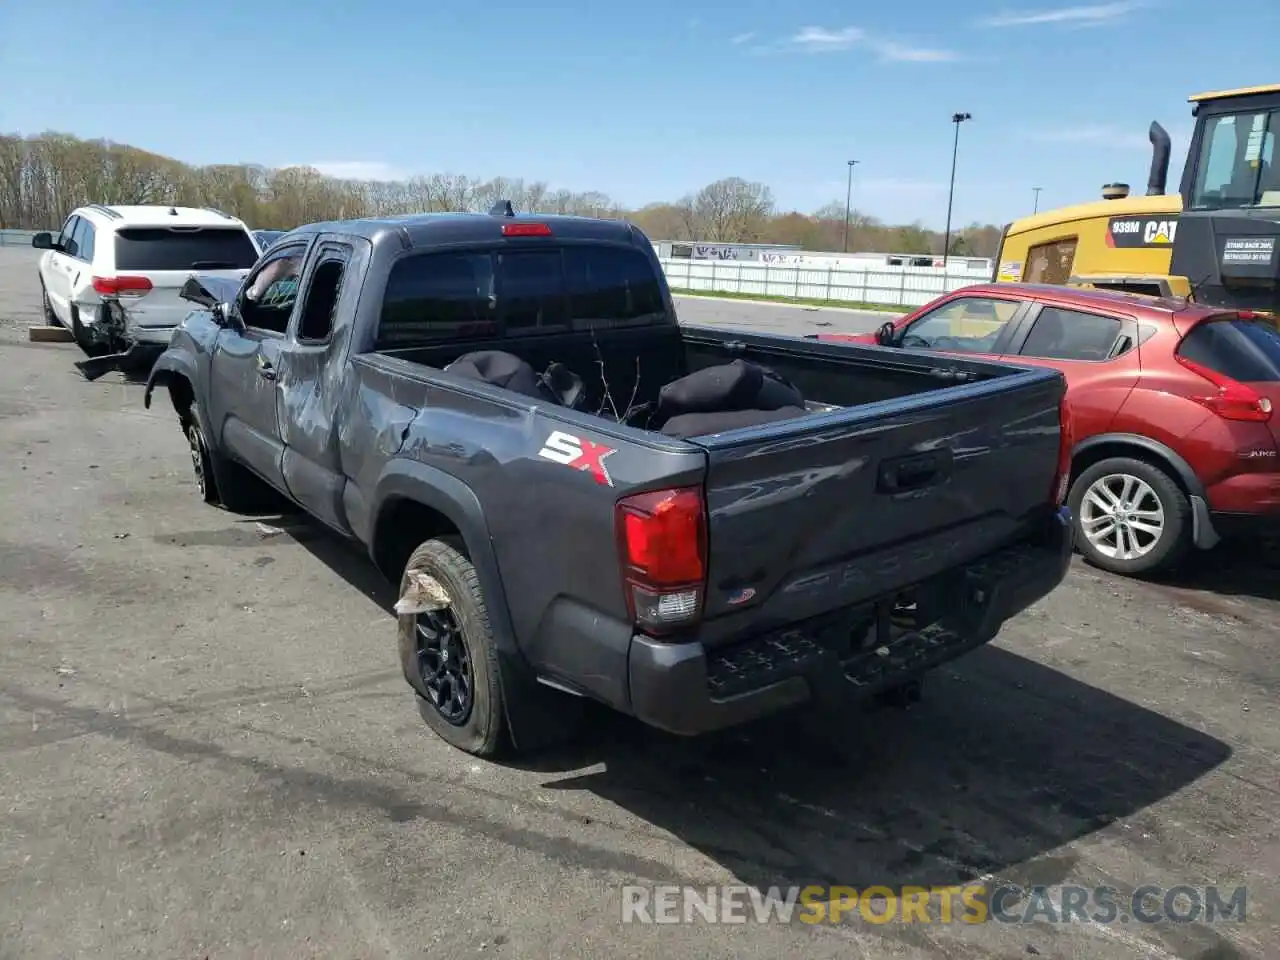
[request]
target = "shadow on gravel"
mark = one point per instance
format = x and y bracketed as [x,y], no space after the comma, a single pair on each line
[1002,765]
[1240,569]
[1003,761]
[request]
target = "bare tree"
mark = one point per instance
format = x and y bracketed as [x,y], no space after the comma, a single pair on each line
[42,178]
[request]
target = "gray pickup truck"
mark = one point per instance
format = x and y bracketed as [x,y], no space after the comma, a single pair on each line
[478,400]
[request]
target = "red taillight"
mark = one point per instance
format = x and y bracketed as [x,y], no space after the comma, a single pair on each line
[526,230]
[121,286]
[662,546]
[1234,400]
[1066,444]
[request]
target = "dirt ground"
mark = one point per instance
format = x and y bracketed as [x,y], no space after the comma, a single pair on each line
[206,748]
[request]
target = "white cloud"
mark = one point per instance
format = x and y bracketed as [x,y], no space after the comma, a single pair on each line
[905,53]
[821,40]
[824,40]
[1090,15]
[358,169]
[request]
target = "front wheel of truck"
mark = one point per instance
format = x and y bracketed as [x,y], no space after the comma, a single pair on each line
[218,480]
[451,650]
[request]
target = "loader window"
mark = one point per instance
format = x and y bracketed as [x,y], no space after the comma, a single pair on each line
[1050,262]
[1236,165]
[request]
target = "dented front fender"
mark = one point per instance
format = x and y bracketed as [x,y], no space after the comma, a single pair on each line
[166,367]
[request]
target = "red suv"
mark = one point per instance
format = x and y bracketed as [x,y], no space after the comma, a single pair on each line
[1175,440]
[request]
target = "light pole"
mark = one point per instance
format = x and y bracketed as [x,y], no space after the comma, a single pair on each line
[957,119]
[848,199]
[1036,207]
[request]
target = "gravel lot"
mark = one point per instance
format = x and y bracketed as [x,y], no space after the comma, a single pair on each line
[208,750]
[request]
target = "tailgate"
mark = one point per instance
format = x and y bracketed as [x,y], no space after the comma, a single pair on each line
[814,514]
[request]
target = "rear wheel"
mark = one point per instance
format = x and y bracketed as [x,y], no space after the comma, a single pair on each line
[454,652]
[1131,517]
[46,308]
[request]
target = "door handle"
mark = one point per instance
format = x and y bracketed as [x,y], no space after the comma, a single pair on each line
[265,370]
[909,473]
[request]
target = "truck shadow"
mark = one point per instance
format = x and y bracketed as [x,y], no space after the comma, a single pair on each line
[1232,569]
[1002,762]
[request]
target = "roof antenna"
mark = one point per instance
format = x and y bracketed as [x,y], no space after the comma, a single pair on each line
[502,208]
[173,211]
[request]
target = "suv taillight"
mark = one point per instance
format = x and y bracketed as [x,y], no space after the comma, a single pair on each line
[1234,400]
[121,286]
[1066,443]
[662,547]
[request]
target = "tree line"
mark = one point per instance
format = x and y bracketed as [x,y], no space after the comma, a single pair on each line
[43,177]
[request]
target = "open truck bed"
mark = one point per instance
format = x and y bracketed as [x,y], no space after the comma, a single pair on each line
[695,582]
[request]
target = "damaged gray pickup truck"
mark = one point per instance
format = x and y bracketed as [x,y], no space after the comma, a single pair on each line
[582,498]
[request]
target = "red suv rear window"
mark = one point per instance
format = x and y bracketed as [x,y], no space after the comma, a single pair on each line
[1245,350]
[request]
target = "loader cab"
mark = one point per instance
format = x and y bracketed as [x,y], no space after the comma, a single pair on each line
[1228,235]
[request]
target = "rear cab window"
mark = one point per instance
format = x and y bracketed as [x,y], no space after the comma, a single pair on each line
[1244,349]
[184,248]
[441,296]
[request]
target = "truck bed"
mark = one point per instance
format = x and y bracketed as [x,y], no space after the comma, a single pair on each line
[829,375]
[908,464]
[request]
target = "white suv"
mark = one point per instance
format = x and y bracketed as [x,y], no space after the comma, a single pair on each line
[113,273]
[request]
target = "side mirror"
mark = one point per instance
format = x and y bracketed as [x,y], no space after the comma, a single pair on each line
[885,335]
[43,241]
[225,316]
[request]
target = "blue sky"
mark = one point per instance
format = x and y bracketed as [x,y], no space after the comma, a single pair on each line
[647,101]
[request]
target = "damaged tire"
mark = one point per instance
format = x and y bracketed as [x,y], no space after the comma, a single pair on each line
[219,480]
[448,654]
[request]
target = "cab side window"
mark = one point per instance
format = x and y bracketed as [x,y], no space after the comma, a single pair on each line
[1061,334]
[269,294]
[323,291]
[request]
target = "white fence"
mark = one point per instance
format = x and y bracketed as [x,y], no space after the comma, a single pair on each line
[889,286]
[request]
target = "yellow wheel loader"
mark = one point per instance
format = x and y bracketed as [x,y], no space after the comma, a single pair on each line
[1214,241]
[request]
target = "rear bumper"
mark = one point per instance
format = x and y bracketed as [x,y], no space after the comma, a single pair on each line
[155,336]
[686,689]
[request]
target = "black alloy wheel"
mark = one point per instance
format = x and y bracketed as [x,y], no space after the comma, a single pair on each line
[445,662]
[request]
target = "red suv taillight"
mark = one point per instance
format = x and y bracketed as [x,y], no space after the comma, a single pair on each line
[662,546]
[121,286]
[1066,443]
[1234,400]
